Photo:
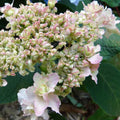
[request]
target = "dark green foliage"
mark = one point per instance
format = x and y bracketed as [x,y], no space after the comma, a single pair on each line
[107,92]
[112,3]
[109,46]
[100,115]
[15,83]
[64,5]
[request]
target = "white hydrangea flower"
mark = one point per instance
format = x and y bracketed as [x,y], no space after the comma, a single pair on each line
[35,99]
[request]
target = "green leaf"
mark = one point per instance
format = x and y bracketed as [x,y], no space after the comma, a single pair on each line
[63,5]
[79,7]
[100,115]
[115,61]
[109,46]
[74,101]
[112,3]
[15,83]
[9,93]
[107,92]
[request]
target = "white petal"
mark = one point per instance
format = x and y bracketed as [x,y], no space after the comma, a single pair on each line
[45,115]
[85,72]
[31,93]
[54,102]
[33,117]
[38,80]
[94,76]
[52,81]
[37,77]
[26,96]
[39,106]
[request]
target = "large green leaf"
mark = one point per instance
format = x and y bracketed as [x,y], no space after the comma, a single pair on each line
[100,115]
[107,92]
[112,3]
[9,93]
[15,83]
[109,46]
[115,61]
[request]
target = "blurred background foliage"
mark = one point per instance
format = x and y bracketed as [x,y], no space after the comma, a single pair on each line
[106,93]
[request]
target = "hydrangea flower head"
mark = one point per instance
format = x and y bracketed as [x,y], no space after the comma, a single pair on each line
[36,34]
[35,99]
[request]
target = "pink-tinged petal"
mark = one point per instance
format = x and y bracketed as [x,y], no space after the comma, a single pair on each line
[45,115]
[37,77]
[39,106]
[54,102]
[95,59]
[38,80]
[94,76]
[85,72]
[45,97]
[26,96]
[85,63]
[52,81]
[94,67]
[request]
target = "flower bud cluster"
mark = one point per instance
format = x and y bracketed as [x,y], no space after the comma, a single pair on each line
[97,16]
[25,44]
[63,43]
[78,62]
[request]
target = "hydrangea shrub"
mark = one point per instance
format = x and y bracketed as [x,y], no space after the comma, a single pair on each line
[62,43]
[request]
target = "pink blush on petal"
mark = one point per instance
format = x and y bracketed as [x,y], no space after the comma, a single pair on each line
[54,102]
[95,59]
[39,106]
